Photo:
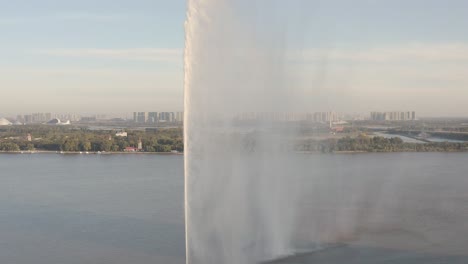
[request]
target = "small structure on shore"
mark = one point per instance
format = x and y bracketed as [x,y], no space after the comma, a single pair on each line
[121,134]
[130,149]
[140,145]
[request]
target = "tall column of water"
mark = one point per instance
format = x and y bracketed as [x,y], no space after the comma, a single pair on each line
[240,192]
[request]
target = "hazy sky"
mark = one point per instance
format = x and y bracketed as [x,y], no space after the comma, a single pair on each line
[122,55]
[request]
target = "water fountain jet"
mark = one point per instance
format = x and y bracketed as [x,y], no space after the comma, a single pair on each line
[240,189]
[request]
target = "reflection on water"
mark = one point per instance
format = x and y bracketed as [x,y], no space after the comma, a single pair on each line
[369,255]
[386,208]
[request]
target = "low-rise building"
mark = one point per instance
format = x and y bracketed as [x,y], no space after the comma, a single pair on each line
[130,149]
[121,134]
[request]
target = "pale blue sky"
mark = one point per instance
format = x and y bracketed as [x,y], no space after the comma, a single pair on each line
[122,55]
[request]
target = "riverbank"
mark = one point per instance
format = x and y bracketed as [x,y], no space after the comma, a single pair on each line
[375,152]
[181,153]
[90,153]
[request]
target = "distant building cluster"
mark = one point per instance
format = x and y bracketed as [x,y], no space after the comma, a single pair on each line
[66,119]
[330,117]
[393,116]
[34,118]
[158,117]
[318,117]
[38,118]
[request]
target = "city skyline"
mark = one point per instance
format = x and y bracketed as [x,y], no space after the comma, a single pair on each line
[148,117]
[155,117]
[65,56]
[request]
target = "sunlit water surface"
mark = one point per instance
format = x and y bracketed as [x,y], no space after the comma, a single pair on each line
[121,209]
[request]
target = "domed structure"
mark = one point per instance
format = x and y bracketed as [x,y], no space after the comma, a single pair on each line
[4,122]
[54,121]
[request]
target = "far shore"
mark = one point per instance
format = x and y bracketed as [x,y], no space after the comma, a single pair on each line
[181,153]
[88,152]
[374,152]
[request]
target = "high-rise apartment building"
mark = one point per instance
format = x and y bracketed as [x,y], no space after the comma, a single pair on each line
[166,116]
[179,117]
[325,117]
[153,117]
[393,116]
[319,117]
[140,117]
[156,117]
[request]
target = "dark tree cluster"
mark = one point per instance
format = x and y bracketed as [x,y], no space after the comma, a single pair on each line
[363,143]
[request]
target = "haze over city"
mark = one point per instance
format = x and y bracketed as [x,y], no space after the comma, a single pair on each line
[103,57]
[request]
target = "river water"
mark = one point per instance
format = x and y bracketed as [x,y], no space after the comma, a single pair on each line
[120,209]
[67,209]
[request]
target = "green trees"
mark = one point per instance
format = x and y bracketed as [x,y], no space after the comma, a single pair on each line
[30,147]
[85,146]
[162,148]
[9,146]
[370,144]
[101,144]
[72,139]
[363,143]
[166,140]
[70,144]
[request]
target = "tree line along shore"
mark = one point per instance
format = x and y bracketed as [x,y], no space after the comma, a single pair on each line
[365,143]
[74,139]
[170,140]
